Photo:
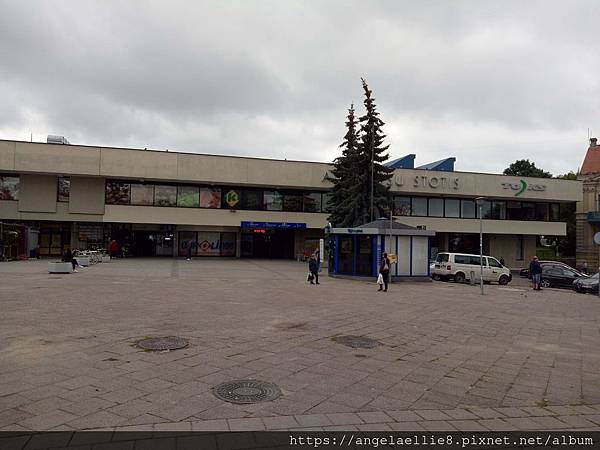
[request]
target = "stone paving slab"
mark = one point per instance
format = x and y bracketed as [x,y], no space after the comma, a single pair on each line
[449,357]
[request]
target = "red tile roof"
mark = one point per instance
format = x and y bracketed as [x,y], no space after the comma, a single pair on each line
[591,163]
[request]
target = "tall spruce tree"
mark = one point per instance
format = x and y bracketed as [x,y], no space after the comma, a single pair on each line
[372,152]
[343,203]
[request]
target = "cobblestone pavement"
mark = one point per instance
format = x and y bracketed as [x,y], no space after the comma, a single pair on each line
[449,358]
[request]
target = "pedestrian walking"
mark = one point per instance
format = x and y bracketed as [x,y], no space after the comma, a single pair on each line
[535,272]
[384,271]
[313,270]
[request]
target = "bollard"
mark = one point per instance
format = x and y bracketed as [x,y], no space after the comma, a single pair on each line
[472,278]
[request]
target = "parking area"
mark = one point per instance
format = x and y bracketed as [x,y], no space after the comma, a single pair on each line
[68,358]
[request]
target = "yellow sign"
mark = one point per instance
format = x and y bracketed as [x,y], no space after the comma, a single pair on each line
[232,198]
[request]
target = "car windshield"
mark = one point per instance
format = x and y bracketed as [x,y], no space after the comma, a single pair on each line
[595,276]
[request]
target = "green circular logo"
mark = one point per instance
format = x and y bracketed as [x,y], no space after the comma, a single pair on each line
[232,198]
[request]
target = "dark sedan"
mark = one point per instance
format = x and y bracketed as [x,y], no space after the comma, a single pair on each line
[586,284]
[559,275]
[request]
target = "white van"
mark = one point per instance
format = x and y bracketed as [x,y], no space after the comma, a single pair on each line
[461,266]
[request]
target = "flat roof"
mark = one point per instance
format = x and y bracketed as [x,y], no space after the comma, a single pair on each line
[251,157]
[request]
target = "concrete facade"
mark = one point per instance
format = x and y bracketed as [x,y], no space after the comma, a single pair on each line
[89,167]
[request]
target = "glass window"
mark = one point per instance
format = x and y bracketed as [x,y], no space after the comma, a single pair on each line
[312,201]
[528,210]
[486,209]
[252,199]
[210,197]
[514,211]
[231,198]
[542,212]
[142,194]
[402,206]
[467,209]
[64,189]
[419,206]
[436,207]
[188,196]
[165,195]
[442,257]
[273,201]
[461,259]
[520,247]
[117,193]
[554,212]
[228,244]
[452,207]
[493,262]
[187,240]
[364,265]
[9,188]
[325,204]
[498,210]
[292,202]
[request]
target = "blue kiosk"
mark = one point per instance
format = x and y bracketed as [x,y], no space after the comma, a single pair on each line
[356,252]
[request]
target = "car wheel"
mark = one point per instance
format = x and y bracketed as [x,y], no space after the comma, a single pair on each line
[545,283]
[459,277]
[436,277]
[503,280]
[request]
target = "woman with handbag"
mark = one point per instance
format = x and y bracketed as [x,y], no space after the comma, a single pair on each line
[384,273]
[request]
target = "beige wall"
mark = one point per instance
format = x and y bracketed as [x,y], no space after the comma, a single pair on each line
[506,246]
[186,167]
[37,193]
[87,195]
[487,185]
[489,226]
[10,210]
[207,217]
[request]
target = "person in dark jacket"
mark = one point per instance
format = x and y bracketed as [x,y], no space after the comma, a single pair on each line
[68,257]
[384,270]
[313,268]
[535,272]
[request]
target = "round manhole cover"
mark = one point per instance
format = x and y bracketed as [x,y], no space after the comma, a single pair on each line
[246,391]
[163,343]
[356,341]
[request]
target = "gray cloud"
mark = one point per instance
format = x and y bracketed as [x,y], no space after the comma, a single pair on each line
[487,82]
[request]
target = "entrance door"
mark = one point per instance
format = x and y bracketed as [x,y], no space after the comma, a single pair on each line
[271,244]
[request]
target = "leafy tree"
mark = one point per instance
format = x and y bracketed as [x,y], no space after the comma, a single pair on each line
[524,168]
[371,158]
[568,176]
[344,203]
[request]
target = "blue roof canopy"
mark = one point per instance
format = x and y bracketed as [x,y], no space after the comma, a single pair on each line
[446,165]
[406,162]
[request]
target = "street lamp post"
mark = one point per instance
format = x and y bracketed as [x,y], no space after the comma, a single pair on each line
[480,201]
[372,163]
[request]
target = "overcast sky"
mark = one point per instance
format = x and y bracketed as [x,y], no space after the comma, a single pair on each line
[486,82]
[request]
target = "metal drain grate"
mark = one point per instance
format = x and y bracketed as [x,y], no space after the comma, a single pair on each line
[246,391]
[356,341]
[163,343]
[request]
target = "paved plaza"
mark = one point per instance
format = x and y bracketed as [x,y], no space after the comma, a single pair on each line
[448,359]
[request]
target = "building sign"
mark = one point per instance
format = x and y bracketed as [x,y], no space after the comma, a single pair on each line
[232,198]
[523,186]
[355,230]
[286,225]
[431,181]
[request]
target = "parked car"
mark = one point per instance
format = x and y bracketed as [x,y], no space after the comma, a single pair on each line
[555,274]
[459,267]
[524,272]
[586,284]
